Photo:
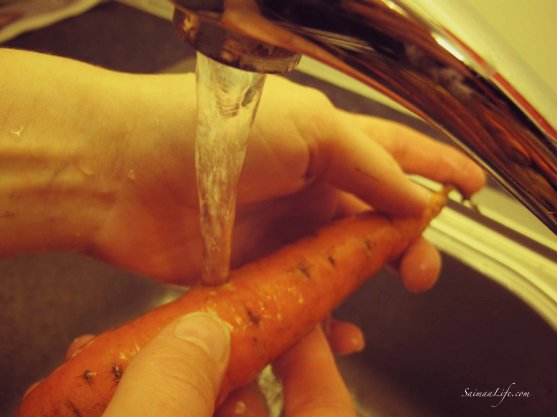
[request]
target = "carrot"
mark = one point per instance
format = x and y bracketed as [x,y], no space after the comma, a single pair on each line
[269,304]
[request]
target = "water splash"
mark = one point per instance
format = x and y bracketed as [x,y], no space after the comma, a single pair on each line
[227,100]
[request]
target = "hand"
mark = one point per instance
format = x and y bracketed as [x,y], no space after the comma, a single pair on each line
[312,385]
[306,163]
[116,180]
[179,373]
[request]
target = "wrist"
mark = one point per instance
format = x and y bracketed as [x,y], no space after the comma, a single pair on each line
[59,172]
[156,169]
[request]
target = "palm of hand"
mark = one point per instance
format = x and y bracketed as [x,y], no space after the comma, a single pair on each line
[153,227]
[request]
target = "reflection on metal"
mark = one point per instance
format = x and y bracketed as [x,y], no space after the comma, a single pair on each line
[524,272]
[402,53]
[509,253]
[204,32]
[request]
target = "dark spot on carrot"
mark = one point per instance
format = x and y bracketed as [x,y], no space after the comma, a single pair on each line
[117,372]
[88,375]
[74,409]
[369,246]
[7,214]
[304,268]
[254,318]
[331,260]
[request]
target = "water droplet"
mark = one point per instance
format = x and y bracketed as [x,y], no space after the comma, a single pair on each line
[240,407]
[17,131]
[131,174]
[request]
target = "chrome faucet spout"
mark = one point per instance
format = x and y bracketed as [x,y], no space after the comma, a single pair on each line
[396,48]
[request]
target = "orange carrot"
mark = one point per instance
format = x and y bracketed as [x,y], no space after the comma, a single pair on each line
[269,305]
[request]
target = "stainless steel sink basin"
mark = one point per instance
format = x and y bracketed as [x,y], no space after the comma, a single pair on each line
[424,352]
[47,300]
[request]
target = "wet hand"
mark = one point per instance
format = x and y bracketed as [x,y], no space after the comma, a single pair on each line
[181,369]
[307,163]
[117,179]
[311,382]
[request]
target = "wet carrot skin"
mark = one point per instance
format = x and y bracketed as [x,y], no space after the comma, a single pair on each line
[269,305]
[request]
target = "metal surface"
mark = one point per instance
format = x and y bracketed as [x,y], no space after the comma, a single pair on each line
[197,24]
[396,48]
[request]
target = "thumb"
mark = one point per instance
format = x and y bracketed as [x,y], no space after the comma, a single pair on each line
[178,373]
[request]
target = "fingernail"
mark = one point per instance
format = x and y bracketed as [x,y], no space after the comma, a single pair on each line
[206,331]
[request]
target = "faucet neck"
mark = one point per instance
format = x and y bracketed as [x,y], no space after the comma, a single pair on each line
[403,53]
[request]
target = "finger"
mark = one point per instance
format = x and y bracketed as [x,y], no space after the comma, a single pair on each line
[77,344]
[419,154]
[344,337]
[262,228]
[349,205]
[247,401]
[350,161]
[312,384]
[178,373]
[420,266]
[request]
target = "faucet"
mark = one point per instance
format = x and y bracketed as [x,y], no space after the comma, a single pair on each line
[397,48]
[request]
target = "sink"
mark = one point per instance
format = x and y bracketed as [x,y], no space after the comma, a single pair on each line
[426,352]
[49,299]
[429,355]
